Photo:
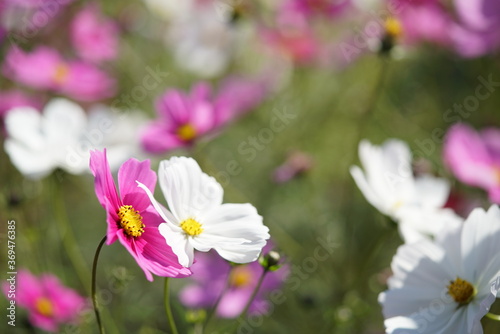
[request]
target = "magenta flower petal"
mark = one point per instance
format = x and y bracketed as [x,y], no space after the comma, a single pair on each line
[156,138]
[133,170]
[104,185]
[128,218]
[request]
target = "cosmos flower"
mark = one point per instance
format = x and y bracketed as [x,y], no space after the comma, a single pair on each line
[209,279]
[76,79]
[183,118]
[477,31]
[198,220]
[446,286]
[10,99]
[474,158]
[94,37]
[388,183]
[130,217]
[62,135]
[48,302]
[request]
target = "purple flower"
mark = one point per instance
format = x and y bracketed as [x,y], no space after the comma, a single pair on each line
[94,37]
[478,30]
[130,217]
[183,118]
[48,302]
[474,157]
[209,279]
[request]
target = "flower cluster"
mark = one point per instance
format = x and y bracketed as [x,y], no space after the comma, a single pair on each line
[446,275]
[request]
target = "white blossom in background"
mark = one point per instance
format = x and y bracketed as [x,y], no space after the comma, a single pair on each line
[197,219]
[446,286]
[200,34]
[63,134]
[388,183]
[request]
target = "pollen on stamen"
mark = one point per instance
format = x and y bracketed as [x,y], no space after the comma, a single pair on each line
[461,291]
[191,227]
[131,221]
[186,132]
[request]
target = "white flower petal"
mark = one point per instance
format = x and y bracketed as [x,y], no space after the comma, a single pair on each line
[187,189]
[178,242]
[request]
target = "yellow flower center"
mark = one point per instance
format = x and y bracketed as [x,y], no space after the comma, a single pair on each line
[191,227]
[61,73]
[240,277]
[131,221]
[186,132]
[393,27]
[44,307]
[461,291]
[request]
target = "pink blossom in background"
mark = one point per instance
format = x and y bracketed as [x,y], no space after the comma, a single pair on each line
[131,218]
[297,163]
[94,36]
[477,31]
[15,98]
[76,79]
[309,8]
[209,279]
[474,158]
[48,302]
[185,117]
[424,21]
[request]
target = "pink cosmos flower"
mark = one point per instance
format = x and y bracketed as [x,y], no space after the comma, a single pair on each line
[209,279]
[183,118]
[478,29]
[76,79]
[424,20]
[308,8]
[15,98]
[131,218]
[48,302]
[474,157]
[94,37]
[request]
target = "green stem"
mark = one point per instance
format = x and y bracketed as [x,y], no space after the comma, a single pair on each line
[93,288]
[254,294]
[67,236]
[493,316]
[168,308]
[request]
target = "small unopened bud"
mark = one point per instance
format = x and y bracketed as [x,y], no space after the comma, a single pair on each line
[270,261]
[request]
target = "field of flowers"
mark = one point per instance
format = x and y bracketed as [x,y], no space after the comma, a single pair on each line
[236,166]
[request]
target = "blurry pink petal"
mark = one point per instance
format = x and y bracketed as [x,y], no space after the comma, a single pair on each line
[94,36]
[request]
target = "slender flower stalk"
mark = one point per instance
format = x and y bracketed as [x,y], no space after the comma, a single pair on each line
[94,296]
[493,316]
[168,308]
[67,236]
[217,302]
[254,294]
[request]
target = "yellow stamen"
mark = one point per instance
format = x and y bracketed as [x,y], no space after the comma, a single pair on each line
[61,73]
[131,221]
[461,291]
[240,277]
[44,307]
[186,132]
[393,27]
[191,227]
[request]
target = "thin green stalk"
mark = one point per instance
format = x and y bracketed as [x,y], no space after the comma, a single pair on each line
[67,236]
[168,308]
[254,294]
[493,316]
[93,287]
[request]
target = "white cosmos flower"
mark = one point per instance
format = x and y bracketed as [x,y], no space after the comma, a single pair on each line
[62,136]
[416,203]
[446,286]
[198,220]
